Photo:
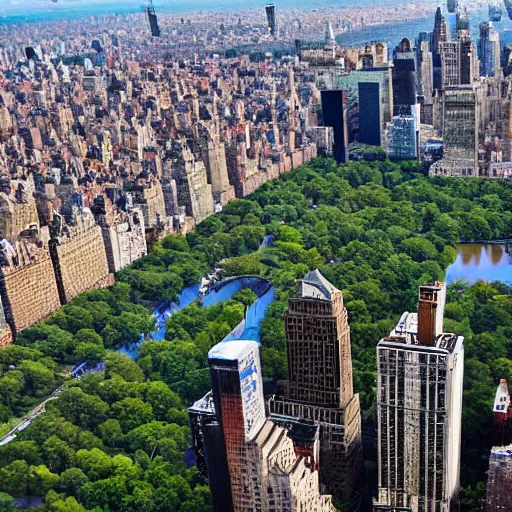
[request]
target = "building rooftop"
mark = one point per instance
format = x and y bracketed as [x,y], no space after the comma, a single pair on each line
[502,451]
[502,398]
[233,350]
[204,405]
[315,286]
[406,331]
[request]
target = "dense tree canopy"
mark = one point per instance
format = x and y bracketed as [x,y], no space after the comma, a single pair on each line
[115,441]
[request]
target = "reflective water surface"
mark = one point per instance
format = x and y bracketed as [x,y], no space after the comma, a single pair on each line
[479,261]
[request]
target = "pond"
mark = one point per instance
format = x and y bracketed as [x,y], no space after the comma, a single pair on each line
[488,262]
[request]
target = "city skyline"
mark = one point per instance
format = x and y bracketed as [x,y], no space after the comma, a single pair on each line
[256,258]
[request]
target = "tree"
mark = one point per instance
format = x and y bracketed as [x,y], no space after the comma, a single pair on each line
[88,336]
[68,504]
[42,480]
[89,352]
[111,432]
[73,318]
[58,455]
[72,480]
[132,412]
[162,399]
[19,450]
[122,365]
[15,478]
[419,249]
[79,408]
[95,463]
[7,502]
[39,380]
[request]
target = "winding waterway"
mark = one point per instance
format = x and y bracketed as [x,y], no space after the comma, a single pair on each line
[486,262]
[247,329]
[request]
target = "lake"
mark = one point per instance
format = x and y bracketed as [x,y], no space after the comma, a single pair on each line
[480,261]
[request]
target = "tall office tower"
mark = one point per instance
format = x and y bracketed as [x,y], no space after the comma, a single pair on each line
[370,113]
[499,476]
[334,111]
[460,121]
[467,61]
[468,57]
[489,50]
[319,406]
[270,10]
[450,63]
[152,20]
[404,77]
[263,473]
[451,5]
[425,78]
[439,35]
[402,140]
[367,109]
[419,402]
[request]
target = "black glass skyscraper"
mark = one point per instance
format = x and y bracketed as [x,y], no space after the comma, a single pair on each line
[334,109]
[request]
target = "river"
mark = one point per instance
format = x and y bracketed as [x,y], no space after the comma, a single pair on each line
[488,262]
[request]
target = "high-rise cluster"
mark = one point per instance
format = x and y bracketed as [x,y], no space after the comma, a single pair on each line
[443,99]
[308,446]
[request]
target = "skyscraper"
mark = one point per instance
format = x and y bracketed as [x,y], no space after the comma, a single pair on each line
[461,111]
[319,393]
[402,141]
[425,77]
[439,35]
[240,406]
[450,63]
[489,49]
[419,402]
[270,11]
[334,111]
[370,113]
[404,77]
[153,20]
[499,476]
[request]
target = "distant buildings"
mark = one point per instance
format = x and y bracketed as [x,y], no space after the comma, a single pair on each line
[419,403]
[144,144]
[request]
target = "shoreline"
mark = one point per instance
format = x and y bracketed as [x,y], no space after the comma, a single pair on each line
[329,8]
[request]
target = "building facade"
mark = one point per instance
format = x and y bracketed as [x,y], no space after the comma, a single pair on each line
[460,121]
[419,402]
[262,471]
[499,476]
[489,50]
[319,392]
